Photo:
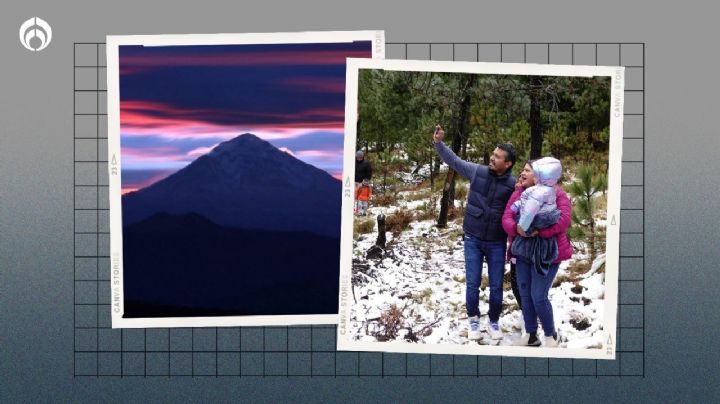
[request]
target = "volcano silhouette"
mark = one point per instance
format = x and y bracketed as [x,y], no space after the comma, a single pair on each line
[245,183]
[245,229]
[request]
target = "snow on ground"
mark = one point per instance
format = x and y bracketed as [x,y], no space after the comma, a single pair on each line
[423,275]
[422,173]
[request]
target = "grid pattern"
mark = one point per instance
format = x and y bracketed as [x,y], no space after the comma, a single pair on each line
[309,351]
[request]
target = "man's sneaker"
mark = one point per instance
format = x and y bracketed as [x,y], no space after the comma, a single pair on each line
[494,330]
[474,328]
[528,340]
[552,341]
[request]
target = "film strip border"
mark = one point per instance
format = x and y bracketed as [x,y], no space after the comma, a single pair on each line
[309,351]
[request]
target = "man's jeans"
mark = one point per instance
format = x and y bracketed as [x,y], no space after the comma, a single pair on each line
[494,254]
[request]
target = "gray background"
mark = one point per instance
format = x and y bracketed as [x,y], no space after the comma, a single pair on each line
[37,193]
[310,351]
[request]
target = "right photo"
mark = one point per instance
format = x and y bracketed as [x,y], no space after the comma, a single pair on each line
[480,213]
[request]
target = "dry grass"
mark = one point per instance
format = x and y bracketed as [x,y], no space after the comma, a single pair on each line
[572,273]
[399,221]
[455,234]
[390,323]
[461,192]
[562,278]
[421,297]
[416,196]
[363,226]
[439,184]
[386,199]
[577,269]
[484,282]
[456,213]
[425,214]
[428,210]
[507,285]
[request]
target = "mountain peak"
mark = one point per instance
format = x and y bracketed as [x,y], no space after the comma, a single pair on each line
[240,142]
[246,182]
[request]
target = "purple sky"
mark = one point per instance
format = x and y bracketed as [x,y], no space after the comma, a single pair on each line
[178,102]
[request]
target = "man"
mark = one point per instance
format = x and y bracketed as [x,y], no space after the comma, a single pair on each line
[363,173]
[490,189]
[363,170]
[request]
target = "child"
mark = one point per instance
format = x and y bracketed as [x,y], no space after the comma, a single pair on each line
[536,205]
[363,193]
[536,209]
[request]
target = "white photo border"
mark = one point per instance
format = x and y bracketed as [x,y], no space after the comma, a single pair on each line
[114,168]
[617,98]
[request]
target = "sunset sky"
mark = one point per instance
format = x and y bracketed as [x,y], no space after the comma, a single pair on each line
[178,102]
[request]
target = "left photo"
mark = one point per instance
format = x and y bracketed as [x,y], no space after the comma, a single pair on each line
[226,153]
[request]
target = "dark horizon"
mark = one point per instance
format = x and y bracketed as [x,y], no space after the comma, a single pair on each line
[173,278]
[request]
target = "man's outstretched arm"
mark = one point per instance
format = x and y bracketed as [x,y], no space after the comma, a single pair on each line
[465,168]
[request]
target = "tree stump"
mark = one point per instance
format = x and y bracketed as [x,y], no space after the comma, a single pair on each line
[378,250]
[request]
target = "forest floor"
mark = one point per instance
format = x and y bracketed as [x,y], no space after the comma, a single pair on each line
[416,291]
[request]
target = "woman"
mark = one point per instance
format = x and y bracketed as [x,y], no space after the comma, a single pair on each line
[533,286]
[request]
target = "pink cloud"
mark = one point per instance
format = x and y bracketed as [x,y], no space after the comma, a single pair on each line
[139,118]
[320,153]
[195,153]
[320,156]
[155,152]
[288,151]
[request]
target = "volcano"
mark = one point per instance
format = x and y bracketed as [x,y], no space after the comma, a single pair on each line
[245,229]
[245,183]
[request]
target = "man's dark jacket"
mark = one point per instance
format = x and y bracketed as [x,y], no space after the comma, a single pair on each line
[487,198]
[363,170]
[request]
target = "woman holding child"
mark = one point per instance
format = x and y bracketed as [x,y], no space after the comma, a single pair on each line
[536,219]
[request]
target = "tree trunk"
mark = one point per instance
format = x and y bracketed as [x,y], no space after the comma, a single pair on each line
[432,176]
[459,132]
[436,171]
[592,230]
[381,238]
[384,181]
[536,136]
[449,185]
[461,135]
[444,202]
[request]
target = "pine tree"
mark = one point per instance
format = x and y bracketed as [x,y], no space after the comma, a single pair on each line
[583,190]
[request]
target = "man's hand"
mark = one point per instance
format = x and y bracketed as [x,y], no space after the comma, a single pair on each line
[438,135]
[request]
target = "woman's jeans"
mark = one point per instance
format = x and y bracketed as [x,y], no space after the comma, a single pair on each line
[494,253]
[534,290]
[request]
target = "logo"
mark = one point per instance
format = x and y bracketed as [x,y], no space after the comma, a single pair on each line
[35,34]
